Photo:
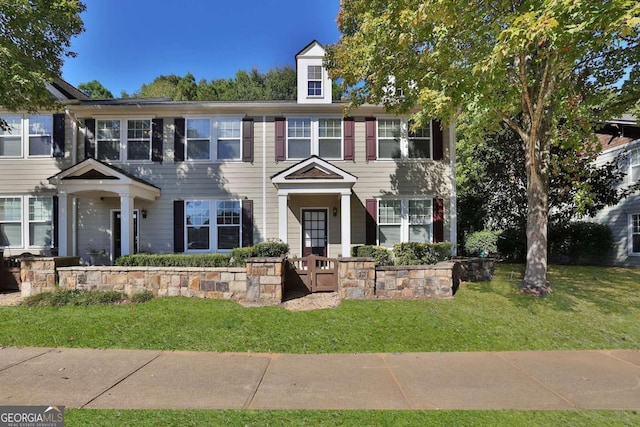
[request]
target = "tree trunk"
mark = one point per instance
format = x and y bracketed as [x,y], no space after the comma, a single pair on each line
[535,276]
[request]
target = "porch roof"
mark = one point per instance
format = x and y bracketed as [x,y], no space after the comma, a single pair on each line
[313,175]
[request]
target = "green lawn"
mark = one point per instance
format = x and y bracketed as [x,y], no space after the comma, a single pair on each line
[589,308]
[350,418]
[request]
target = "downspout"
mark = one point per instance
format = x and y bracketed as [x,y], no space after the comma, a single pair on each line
[454,197]
[264,177]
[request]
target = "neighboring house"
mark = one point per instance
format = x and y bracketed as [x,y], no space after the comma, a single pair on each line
[124,176]
[620,139]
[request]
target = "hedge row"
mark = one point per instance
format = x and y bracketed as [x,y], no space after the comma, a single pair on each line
[411,253]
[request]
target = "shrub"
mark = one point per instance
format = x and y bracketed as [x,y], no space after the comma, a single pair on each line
[141,297]
[485,241]
[414,253]
[271,248]
[76,297]
[239,256]
[580,243]
[381,255]
[173,260]
[512,244]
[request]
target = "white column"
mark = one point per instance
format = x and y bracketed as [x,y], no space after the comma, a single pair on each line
[345,224]
[126,223]
[282,217]
[63,221]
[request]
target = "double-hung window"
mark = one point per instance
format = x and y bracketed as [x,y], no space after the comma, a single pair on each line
[20,230]
[389,139]
[11,139]
[314,80]
[634,165]
[198,139]
[389,222]
[634,234]
[419,142]
[298,138]
[138,139]
[213,224]
[40,135]
[40,221]
[108,140]
[314,136]
[11,221]
[404,220]
[228,146]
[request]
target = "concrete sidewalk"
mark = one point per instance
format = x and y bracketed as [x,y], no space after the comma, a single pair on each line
[79,378]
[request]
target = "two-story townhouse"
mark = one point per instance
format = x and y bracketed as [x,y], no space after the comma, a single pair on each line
[620,141]
[161,176]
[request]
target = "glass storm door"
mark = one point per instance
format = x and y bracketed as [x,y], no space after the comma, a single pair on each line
[314,232]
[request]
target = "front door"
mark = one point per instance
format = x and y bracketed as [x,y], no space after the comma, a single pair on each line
[117,230]
[314,232]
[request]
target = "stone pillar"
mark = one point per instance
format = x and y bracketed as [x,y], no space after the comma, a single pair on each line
[265,280]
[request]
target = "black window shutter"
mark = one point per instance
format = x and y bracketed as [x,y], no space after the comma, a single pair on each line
[55,220]
[156,140]
[371,222]
[438,150]
[370,136]
[438,220]
[58,135]
[349,138]
[178,226]
[281,137]
[247,140]
[179,140]
[90,138]
[247,223]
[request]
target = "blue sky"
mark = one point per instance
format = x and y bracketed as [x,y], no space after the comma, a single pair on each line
[130,42]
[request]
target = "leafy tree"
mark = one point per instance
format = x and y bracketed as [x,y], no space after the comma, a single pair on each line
[186,89]
[492,183]
[543,61]
[161,87]
[94,89]
[34,40]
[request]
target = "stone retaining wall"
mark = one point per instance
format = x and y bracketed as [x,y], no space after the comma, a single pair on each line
[220,283]
[39,274]
[417,281]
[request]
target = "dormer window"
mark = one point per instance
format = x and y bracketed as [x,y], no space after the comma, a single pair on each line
[314,80]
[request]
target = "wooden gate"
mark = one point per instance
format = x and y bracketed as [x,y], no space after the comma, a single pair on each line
[316,273]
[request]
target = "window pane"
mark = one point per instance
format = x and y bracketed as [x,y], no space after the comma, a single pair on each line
[138,150]
[299,128]
[197,213]
[299,148]
[228,237]
[198,128]
[330,128]
[39,145]
[40,234]
[314,88]
[10,234]
[636,243]
[389,211]
[389,128]
[108,150]
[229,129]
[11,209]
[40,209]
[108,129]
[15,126]
[635,223]
[389,149]
[389,234]
[138,129]
[198,237]
[419,148]
[198,149]
[419,233]
[315,72]
[635,157]
[330,148]
[419,211]
[228,149]
[10,146]
[40,125]
[228,213]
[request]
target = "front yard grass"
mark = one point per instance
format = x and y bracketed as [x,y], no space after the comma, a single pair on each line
[589,308]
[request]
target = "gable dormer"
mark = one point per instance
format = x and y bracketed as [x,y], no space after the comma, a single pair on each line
[314,85]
